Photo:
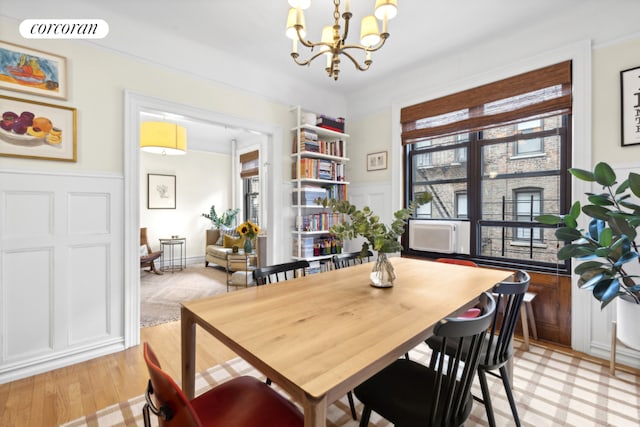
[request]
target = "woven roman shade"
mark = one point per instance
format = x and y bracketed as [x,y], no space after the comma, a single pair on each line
[530,95]
[250,166]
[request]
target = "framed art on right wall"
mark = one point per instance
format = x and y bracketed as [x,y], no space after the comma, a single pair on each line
[630,97]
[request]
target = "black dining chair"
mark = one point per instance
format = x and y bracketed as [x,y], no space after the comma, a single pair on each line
[343,260]
[408,393]
[347,259]
[280,272]
[498,352]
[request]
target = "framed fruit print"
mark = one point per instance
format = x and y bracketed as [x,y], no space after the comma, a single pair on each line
[37,130]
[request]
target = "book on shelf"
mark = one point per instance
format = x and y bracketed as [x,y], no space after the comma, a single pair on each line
[326,122]
[331,148]
[317,169]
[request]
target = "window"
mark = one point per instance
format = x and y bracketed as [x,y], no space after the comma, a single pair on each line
[494,151]
[250,174]
[252,199]
[527,207]
[461,205]
[529,145]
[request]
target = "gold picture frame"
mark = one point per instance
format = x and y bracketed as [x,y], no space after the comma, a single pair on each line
[37,130]
[32,71]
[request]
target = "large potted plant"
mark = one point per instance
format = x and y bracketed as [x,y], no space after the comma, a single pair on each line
[607,249]
[378,236]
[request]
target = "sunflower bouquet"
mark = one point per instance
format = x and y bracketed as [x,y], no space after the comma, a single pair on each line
[249,231]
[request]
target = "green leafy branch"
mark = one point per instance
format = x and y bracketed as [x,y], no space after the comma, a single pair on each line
[225,219]
[365,223]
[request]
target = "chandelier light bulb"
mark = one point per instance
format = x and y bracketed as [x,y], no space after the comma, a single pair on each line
[369,34]
[302,4]
[295,17]
[386,9]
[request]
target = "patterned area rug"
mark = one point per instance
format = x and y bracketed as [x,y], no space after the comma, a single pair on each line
[551,389]
[160,296]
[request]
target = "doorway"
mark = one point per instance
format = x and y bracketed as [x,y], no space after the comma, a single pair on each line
[270,172]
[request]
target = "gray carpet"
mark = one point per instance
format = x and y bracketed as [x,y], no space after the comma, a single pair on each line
[160,296]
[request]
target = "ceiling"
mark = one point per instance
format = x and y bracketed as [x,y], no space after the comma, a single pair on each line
[252,31]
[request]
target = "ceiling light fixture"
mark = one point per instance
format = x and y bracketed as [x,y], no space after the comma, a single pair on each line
[163,138]
[332,44]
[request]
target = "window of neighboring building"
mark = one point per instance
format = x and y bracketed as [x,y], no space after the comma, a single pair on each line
[515,138]
[529,145]
[528,204]
[461,205]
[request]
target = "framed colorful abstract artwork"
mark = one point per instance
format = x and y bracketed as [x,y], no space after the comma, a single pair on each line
[32,71]
[37,130]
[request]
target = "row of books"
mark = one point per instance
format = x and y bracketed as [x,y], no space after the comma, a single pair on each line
[320,221]
[310,247]
[318,169]
[331,123]
[331,148]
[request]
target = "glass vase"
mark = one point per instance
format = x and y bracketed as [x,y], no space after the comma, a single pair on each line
[248,245]
[382,274]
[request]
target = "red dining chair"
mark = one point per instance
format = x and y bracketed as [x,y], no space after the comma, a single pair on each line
[457,261]
[241,402]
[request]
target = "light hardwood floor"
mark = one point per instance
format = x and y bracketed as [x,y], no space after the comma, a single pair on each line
[65,394]
[62,395]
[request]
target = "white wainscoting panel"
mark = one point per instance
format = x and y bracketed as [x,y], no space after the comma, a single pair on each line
[27,213]
[26,302]
[89,298]
[378,197]
[62,278]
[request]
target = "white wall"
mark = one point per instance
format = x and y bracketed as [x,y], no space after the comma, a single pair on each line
[202,179]
[97,82]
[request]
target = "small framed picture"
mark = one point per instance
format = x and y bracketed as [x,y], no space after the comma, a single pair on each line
[37,130]
[32,71]
[630,97]
[161,191]
[377,161]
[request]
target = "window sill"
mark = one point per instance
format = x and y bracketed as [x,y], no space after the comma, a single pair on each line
[527,156]
[523,244]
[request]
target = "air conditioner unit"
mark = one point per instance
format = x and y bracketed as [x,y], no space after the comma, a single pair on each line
[439,236]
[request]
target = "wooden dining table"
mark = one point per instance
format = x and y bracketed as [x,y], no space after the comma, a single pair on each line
[320,335]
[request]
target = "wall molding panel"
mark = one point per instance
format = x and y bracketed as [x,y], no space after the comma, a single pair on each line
[61,270]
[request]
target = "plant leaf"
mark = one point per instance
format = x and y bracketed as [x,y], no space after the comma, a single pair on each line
[568,234]
[634,183]
[600,200]
[597,212]
[549,219]
[583,175]
[604,174]
[606,290]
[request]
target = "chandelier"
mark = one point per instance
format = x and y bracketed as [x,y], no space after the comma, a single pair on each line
[333,41]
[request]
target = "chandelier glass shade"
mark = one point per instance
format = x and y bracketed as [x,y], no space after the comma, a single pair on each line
[163,138]
[333,41]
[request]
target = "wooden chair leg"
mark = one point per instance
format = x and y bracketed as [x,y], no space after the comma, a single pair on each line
[525,327]
[614,344]
[532,320]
